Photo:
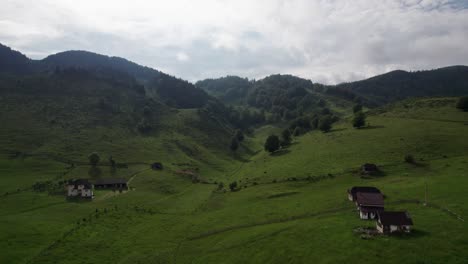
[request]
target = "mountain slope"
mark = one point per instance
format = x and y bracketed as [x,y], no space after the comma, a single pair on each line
[397,85]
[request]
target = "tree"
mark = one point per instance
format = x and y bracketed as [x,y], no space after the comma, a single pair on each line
[239,135]
[234,144]
[325,124]
[233,186]
[359,119]
[463,103]
[272,143]
[112,162]
[93,158]
[220,186]
[297,131]
[357,108]
[409,159]
[286,137]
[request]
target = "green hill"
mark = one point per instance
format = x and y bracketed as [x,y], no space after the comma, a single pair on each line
[288,207]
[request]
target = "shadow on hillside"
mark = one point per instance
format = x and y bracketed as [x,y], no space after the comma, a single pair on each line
[372,127]
[280,152]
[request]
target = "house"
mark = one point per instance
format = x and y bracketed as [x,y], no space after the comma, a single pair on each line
[157,166]
[353,191]
[80,188]
[369,168]
[111,183]
[369,204]
[390,222]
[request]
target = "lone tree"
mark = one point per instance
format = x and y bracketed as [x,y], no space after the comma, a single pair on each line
[272,143]
[463,103]
[359,120]
[286,137]
[94,158]
[234,144]
[325,124]
[233,186]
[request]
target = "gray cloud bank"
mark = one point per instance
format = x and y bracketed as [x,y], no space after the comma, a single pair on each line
[328,41]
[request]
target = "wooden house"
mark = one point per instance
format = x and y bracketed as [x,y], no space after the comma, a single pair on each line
[111,183]
[390,222]
[80,188]
[369,204]
[367,189]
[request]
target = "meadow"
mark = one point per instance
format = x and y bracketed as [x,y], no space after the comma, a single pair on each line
[291,206]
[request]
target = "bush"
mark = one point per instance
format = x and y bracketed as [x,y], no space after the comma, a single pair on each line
[234,144]
[272,143]
[409,159]
[233,186]
[463,103]
[357,108]
[286,136]
[359,120]
[325,124]
[93,158]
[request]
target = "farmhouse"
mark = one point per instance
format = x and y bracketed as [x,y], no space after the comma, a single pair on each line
[80,188]
[369,204]
[369,168]
[111,183]
[390,222]
[365,189]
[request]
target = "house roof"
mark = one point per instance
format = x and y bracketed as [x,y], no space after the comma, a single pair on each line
[366,189]
[110,181]
[369,199]
[77,182]
[395,218]
[369,167]
[368,209]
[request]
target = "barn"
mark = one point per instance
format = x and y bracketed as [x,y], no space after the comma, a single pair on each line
[364,189]
[111,183]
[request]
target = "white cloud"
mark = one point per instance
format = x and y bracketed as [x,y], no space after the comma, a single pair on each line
[324,40]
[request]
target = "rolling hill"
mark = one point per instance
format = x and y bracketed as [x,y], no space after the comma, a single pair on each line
[288,207]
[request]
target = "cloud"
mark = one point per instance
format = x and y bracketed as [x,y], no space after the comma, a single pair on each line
[328,41]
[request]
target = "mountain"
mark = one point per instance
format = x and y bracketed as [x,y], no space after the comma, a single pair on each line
[397,85]
[12,61]
[229,89]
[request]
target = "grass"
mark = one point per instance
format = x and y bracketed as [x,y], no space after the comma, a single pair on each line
[165,218]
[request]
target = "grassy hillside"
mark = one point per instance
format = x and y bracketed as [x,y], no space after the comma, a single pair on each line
[165,218]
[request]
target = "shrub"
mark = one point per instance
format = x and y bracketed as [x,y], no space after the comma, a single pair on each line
[233,186]
[325,124]
[409,158]
[463,103]
[357,108]
[234,144]
[93,158]
[359,120]
[272,143]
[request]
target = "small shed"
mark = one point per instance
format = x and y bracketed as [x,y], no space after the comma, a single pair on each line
[365,189]
[391,222]
[81,188]
[369,168]
[369,204]
[111,183]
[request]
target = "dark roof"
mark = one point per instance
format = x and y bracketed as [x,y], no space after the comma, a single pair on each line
[369,199]
[77,182]
[369,167]
[395,218]
[110,181]
[366,189]
[368,209]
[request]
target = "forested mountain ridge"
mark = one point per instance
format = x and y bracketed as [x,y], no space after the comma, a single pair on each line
[374,91]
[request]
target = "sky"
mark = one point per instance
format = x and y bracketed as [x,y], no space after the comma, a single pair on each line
[327,41]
